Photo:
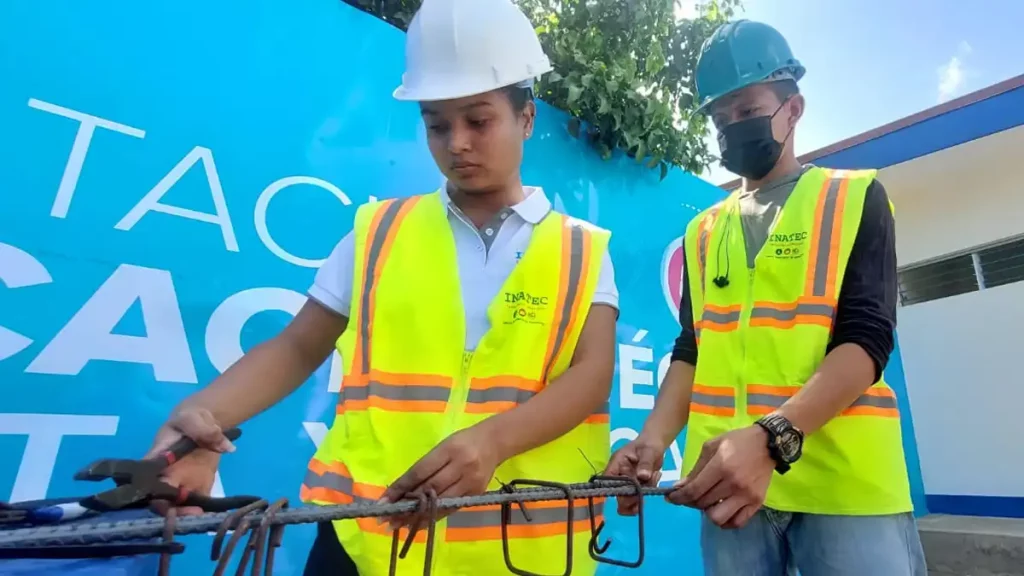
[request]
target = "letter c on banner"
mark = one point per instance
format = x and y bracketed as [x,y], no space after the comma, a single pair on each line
[261,216]
[18,269]
[224,332]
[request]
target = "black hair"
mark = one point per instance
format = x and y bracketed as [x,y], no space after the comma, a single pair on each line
[518,96]
[784,89]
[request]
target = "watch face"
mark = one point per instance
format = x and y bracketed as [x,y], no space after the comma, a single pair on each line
[788,443]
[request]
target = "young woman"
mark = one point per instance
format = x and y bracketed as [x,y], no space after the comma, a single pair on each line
[476,324]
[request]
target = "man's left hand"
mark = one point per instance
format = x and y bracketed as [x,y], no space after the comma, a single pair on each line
[730,479]
[461,465]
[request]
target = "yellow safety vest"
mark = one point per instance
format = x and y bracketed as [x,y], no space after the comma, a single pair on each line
[409,383]
[765,333]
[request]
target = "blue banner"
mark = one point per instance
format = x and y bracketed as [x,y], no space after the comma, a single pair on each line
[171,175]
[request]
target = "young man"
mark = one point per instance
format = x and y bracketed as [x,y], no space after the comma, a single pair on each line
[477,327]
[793,449]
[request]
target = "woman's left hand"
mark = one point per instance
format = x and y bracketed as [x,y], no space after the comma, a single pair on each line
[461,465]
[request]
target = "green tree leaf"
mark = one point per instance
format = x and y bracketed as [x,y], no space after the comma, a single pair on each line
[574,94]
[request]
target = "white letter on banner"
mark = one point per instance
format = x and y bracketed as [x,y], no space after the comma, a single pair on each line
[316,431]
[628,435]
[73,169]
[631,376]
[88,335]
[260,215]
[18,269]
[224,331]
[45,432]
[151,201]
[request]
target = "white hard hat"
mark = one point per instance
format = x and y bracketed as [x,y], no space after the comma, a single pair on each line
[458,48]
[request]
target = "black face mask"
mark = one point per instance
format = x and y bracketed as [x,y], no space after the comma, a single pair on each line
[749,148]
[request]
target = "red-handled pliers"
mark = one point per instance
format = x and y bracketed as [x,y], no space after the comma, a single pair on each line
[139,482]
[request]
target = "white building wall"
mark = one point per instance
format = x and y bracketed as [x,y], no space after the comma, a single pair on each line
[964,362]
[958,198]
[964,355]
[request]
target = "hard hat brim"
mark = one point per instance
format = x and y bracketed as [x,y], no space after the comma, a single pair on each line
[798,72]
[455,90]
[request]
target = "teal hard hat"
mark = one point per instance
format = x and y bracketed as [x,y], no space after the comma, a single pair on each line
[741,53]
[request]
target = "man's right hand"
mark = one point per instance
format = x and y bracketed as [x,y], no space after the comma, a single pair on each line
[641,459]
[197,471]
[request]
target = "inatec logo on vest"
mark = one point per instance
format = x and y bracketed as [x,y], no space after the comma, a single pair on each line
[786,246]
[525,307]
[672,275]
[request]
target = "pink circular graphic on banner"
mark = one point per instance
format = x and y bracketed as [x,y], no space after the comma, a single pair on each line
[672,275]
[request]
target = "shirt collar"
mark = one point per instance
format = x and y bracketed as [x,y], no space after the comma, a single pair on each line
[533,208]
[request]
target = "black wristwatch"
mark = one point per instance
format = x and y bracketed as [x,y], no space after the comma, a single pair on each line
[785,441]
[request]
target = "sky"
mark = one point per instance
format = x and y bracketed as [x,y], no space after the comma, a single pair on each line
[870,62]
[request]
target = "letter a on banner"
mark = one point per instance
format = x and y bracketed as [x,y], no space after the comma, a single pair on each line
[89,334]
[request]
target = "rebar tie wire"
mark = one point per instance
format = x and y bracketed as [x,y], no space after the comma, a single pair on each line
[266,524]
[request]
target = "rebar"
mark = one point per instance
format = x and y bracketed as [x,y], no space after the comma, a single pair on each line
[99,532]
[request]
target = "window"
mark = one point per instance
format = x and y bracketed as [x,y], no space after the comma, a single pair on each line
[1002,264]
[941,279]
[985,267]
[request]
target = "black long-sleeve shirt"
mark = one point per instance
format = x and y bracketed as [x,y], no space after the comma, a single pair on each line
[866,311]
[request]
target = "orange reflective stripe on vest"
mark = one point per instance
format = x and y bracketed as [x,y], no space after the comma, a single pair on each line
[577,253]
[790,314]
[546,519]
[334,484]
[381,235]
[824,262]
[706,226]
[763,399]
[713,400]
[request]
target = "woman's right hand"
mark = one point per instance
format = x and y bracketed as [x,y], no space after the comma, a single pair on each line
[195,472]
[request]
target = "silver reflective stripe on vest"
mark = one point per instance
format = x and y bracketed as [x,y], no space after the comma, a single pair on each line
[470,518]
[777,400]
[330,481]
[875,401]
[828,221]
[712,317]
[576,239]
[500,394]
[823,310]
[766,400]
[395,392]
[376,245]
[713,400]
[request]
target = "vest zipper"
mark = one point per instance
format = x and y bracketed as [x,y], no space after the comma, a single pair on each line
[457,398]
[745,313]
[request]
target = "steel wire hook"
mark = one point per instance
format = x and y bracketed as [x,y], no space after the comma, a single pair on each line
[170,523]
[250,549]
[426,510]
[506,518]
[596,550]
[238,521]
[268,537]
[229,523]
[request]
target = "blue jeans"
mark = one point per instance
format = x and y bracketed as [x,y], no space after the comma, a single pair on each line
[777,543]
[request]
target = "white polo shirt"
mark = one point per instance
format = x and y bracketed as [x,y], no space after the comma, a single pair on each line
[486,257]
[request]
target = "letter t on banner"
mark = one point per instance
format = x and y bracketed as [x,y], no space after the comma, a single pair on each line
[45,432]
